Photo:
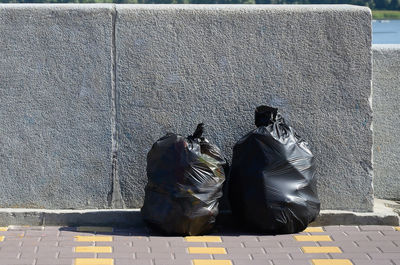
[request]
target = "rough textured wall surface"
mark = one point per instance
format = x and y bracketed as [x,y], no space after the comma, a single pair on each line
[181,65]
[55,106]
[386,125]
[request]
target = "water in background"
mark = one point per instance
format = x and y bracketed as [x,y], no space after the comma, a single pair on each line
[386,32]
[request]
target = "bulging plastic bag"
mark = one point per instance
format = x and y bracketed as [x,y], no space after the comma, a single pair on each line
[272,188]
[185,179]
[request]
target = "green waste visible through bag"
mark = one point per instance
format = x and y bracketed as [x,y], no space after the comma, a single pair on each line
[272,188]
[185,178]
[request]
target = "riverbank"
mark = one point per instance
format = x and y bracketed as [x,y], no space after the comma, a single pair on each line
[385,14]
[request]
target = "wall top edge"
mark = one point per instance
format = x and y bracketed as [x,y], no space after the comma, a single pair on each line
[299,8]
[386,47]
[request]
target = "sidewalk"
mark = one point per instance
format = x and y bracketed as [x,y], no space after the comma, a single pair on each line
[330,245]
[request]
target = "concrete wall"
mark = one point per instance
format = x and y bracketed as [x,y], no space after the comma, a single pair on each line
[89,88]
[386,107]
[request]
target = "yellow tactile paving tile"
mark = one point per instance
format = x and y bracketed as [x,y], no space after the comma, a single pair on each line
[1,238]
[203,239]
[93,238]
[94,262]
[211,262]
[2,229]
[314,229]
[86,249]
[312,238]
[397,228]
[94,229]
[321,250]
[331,262]
[206,250]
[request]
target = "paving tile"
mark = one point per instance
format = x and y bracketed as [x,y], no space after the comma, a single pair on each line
[153,255]
[122,255]
[313,238]
[358,237]
[291,262]
[9,254]
[267,238]
[233,256]
[360,256]
[269,244]
[389,249]
[76,255]
[72,243]
[247,250]
[124,261]
[254,262]
[176,238]
[321,250]
[93,238]
[114,244]
[206,250]
[341,228]
[8,261]
[181,244]
[371,262]
[331,262]
[270,256]
[342,244]
[92,249]
[374,243]
[300,243]
[211,262]
[348,249]
[193,256]
[172,262]
[300,256]
[203,239]
[53,261]
[314,229]
[94,262]
[390,233]
[167,250]
[375,227]
[233,244]
[385,255]
[283,250]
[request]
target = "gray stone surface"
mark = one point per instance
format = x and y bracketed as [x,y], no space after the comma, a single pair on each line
[55,106]
[386,125]
[181,65]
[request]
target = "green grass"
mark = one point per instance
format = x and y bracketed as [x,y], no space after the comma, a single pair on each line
[385,14]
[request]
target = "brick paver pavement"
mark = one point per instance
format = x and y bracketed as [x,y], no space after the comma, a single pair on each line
[330,245]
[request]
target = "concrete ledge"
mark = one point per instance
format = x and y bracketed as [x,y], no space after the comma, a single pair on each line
[382,215]
[95,217]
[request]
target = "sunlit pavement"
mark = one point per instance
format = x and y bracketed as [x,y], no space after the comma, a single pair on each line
[330,245]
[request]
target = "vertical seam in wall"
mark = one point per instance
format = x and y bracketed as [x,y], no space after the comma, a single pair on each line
[116,200]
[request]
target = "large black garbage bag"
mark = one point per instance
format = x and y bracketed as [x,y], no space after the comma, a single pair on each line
[272,188]
[185,179]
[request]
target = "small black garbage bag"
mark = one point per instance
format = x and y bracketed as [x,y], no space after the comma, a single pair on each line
[272,188]
[185,179]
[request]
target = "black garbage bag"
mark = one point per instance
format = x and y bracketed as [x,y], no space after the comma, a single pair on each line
[185,179]
[272,188]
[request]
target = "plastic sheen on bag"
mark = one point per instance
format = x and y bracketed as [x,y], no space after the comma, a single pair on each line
[272,188]
[185,179]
